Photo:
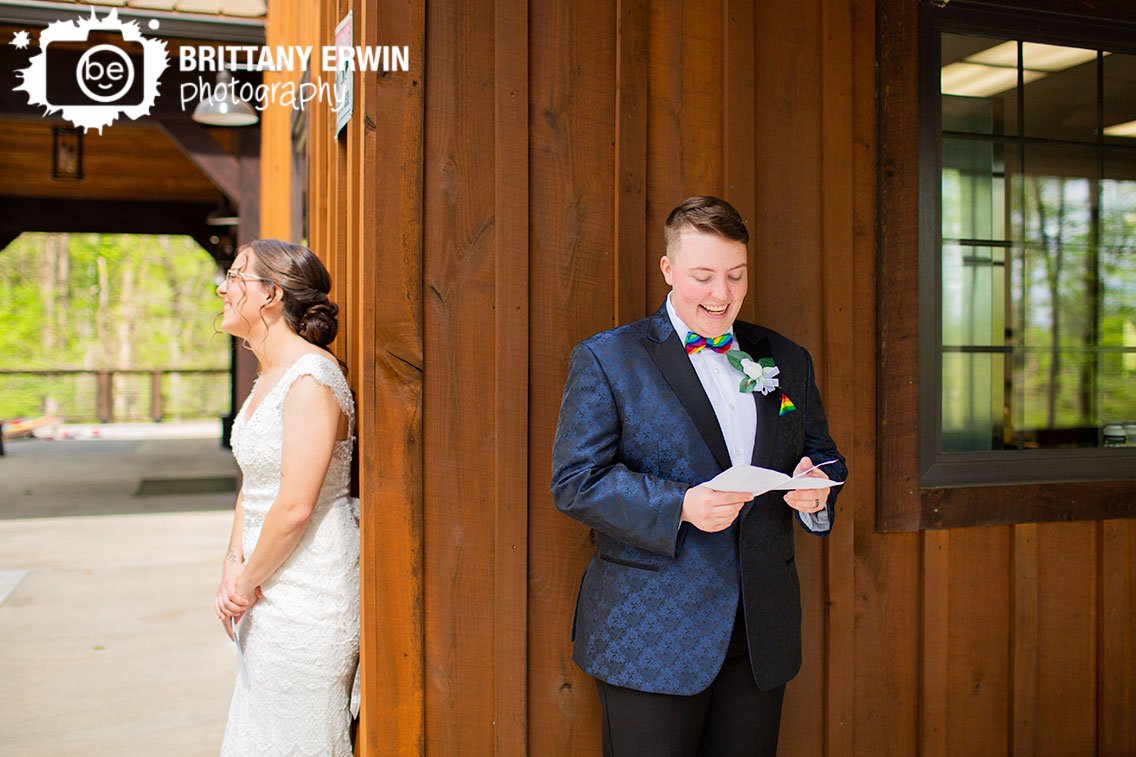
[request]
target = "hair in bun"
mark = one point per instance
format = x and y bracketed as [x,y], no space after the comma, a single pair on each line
[305,282]
[318,324]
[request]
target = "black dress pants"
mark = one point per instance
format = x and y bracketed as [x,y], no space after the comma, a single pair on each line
[731,718]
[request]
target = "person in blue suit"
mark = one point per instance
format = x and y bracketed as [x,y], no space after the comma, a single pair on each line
[689,613]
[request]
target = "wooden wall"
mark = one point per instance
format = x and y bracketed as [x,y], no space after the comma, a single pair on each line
[503,200]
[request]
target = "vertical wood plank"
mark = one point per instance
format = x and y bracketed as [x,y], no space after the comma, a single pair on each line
[511,336]
[461,371]
[665,149]
[789,210]
[788,250]
[632,263]
[280,28]
[834,269]
[573,294]
[1117,624]
[887,644]
[392,716]
[898,49]
[739,125]
[841,66]
[321,147]
[701,79]
[854,418]
[791,253]
[1067,638]
[352,199]
[340,218]
[934,695]
[685,82]
[978,641]
[1023,728]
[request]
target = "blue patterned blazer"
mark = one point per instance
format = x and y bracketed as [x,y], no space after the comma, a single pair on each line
[658,600]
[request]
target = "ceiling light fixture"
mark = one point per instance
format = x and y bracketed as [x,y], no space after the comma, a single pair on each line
[995,70]
[223,107]
[1121,130]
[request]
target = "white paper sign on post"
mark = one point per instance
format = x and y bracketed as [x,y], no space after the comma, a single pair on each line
[344,73]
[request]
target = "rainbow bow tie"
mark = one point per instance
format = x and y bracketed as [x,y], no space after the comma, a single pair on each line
[695,343]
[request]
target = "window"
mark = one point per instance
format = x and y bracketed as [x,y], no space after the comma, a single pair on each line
[1025,308]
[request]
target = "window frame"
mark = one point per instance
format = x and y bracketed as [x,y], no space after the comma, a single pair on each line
[921,487]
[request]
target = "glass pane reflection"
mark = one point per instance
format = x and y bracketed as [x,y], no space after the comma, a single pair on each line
[1037,269]
[977,97]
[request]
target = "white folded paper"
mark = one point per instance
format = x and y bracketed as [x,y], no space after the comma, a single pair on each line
[750,478]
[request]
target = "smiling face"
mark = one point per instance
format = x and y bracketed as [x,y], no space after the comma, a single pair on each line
[243,296]
[708,276]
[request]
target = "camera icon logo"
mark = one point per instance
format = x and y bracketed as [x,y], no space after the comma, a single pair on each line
[96,70]
[106,73]
[107,69]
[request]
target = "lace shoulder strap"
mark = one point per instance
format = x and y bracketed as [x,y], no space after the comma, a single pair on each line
[326,371]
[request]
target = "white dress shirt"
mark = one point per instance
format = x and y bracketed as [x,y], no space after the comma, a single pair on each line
[735,410]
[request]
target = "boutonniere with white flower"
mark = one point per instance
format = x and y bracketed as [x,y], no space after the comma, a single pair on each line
[760,374]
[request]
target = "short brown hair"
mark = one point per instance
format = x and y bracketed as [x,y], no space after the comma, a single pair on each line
[709,215]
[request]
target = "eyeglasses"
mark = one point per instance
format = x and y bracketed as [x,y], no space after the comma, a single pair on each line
[232,275]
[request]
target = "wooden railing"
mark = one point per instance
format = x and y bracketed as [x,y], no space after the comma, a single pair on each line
[104,394]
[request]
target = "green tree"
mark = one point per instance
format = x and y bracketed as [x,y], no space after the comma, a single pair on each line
[109,302]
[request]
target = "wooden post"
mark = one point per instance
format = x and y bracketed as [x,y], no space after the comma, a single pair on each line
[105,402]
[156,396]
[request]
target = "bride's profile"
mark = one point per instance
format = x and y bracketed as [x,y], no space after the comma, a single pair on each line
[290,580]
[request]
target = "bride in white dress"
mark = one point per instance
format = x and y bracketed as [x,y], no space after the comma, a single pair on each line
[291,576]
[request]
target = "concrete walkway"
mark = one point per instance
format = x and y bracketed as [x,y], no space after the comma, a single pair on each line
[110,644]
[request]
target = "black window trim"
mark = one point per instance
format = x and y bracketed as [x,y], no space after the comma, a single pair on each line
[936,468]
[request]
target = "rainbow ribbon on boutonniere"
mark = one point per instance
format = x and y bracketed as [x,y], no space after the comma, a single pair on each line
[787,405]
[759,375]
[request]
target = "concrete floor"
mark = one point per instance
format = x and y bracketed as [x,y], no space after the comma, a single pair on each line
[110,644]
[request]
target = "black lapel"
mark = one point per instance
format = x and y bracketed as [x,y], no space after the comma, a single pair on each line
[757,346]
[665,348]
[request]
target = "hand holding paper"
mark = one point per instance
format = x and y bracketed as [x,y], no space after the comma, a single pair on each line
[757,481]
[709,510]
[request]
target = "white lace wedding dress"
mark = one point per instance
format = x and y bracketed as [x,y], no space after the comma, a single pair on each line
[300,642]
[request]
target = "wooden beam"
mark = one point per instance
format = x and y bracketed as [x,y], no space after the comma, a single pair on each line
[222,168]
[248,186]
[205,242]
[20,214]
[1027,503]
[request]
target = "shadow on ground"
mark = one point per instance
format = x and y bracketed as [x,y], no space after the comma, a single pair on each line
[45,479]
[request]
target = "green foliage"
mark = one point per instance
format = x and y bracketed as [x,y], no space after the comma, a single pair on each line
[107,302]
